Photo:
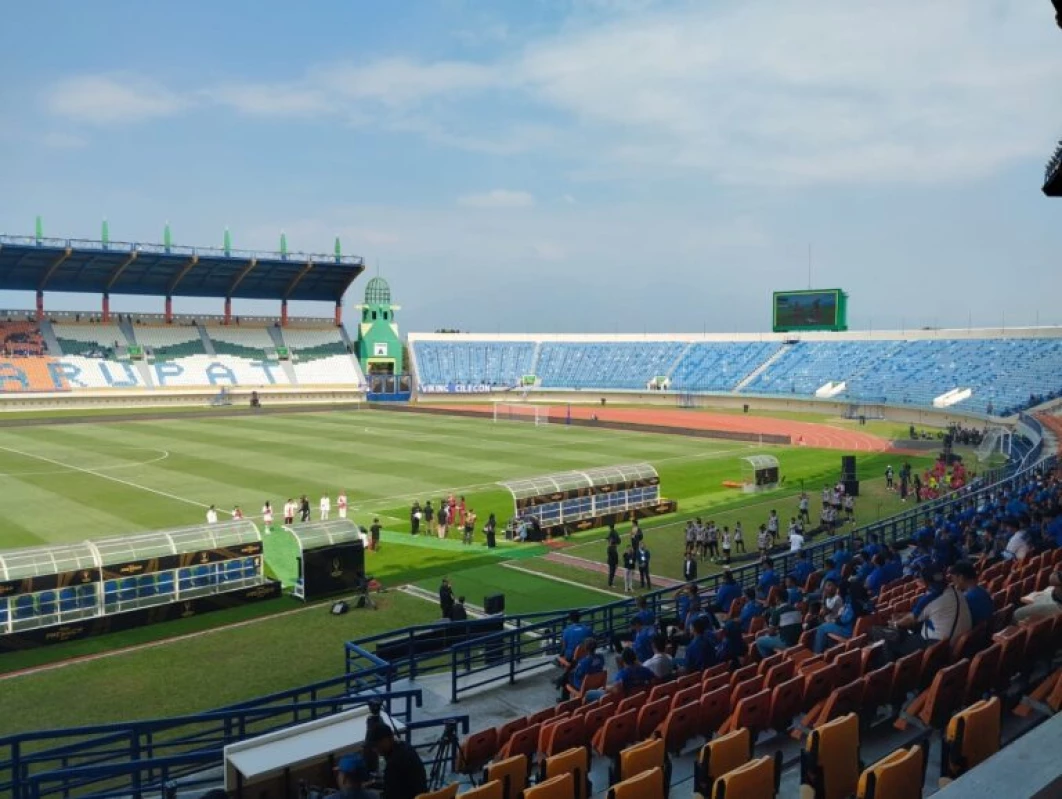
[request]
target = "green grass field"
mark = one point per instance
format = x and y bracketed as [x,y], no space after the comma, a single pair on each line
[64,483]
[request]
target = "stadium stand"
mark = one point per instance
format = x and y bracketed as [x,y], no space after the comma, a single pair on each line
[1003,374]
[332,370]
[500,363]
[610,365]
[22,339]
[171,342]
[85,372]
[97,341]
[252,343]
[216,370]
[307,344]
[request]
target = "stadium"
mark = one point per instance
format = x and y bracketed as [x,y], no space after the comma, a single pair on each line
[274,553]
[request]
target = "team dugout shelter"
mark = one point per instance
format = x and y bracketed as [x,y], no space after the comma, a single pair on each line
[330,559]
[106,268]
[70,591]
[568,502]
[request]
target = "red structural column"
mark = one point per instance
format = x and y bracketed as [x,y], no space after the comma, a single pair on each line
[106,308]
[339,314]
[169,310]
[228,310]
[40,305]
[283,313]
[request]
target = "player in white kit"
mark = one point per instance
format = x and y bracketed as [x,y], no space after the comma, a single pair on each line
[341,504]
[326,507]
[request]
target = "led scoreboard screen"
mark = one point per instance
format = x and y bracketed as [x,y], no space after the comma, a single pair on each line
[823,309]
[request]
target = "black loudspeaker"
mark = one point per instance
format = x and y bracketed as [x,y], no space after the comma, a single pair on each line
[848,467]
[494,604]
[851,488]
[339,608]
[745,408]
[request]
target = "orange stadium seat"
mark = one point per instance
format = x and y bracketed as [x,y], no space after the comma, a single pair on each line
[511,772]
[829,763]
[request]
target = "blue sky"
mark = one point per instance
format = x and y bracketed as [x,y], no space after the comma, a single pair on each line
[562,165]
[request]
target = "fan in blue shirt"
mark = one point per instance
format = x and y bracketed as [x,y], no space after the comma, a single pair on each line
[803,569]
[752,608]
[574,634]
[768,579]
[727,593]
[643,641]
[979,600]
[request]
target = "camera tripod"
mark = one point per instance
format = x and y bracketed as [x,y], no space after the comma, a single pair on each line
[444,755]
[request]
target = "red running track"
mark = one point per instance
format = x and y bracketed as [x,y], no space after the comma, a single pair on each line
[820,436]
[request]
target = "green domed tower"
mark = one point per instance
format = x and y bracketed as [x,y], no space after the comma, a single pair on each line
[379,345]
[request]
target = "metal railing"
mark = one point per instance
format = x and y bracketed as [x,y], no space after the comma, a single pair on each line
[26,755]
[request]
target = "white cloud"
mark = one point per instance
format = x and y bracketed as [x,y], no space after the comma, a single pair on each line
[112,99]
[63,141]
[497,198]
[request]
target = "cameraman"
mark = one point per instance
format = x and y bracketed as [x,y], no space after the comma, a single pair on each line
[351,776]
[404,775]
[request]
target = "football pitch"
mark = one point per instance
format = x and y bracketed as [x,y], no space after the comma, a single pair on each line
[70,482]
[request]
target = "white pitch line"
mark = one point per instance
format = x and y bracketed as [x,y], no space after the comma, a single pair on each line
[165,454]
[102,476]
[553,577]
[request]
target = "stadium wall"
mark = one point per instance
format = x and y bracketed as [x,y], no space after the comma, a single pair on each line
[88,400]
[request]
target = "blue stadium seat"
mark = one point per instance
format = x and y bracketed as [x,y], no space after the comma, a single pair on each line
[250,568]
[165,583]
[25,607]
[86,595]
[110,592]
[46,604]
[232,572]
[473,363]
[203,576]
[67,600]
[145,585]
[3,614]
[128,590]
[184,579]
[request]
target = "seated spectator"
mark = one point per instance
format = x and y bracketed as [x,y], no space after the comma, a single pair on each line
[700,651]
[964,577]
[768,579]
[631,677]
[833,572]
[877,578]
[590,662]
[643,640]
[574,634]
[1044,604]
[1018,546]
[841,555]
[783,627]
[727,593]
[351,776]
[832,602]
[855,605]
[941,613]
[750,610]
[660,664]
[793,590]
[731,648]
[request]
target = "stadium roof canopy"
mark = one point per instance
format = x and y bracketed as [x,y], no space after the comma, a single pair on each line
[96,267]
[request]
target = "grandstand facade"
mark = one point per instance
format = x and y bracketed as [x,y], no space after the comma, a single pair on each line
[992,372]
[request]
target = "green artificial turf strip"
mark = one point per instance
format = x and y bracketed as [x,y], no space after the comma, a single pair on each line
[212,670]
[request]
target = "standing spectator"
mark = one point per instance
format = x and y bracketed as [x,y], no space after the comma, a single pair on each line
[804,514]
[470,525]
[446,598]
[724,542]
[643,568]
[689,565]
[796,539]
[630,560]
[773,526]
[763,541]
[374,535]
[289,512]
[490,531]
[889,486]
[304,508]
[415,514]
[326,507]
[637,536]
[849,507]
[613,536]
[429,517]
[713,542]
[613,562]
[404,775]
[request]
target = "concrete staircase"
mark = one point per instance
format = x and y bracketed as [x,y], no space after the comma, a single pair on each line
[208,345]
[759,369]
[127,330]
[50,339]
